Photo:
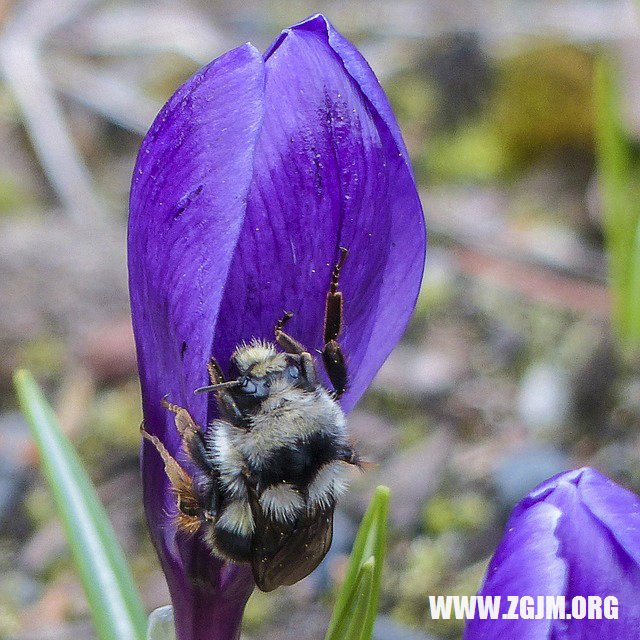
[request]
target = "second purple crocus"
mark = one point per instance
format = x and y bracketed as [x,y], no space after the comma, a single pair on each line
[576,536]
[252,176]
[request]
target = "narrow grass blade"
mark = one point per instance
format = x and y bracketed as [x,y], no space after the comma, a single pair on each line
[619,179]
[362,603]
[369,545]
[634,289]
[614,162]
[117,610]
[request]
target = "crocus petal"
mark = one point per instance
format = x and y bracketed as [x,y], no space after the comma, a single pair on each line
[594,549]
[617,509]
[330,170]
[591,546]
[532,537]
[187,206]
[251,178]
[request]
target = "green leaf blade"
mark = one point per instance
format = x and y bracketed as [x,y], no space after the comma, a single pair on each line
[618,173]
[368,547]
[357,621]
[115,603]
[634,290]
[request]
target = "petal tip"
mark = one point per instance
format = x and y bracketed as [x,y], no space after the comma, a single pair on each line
[316,23]
[251,49]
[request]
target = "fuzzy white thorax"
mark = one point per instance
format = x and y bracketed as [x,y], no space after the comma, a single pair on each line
[286,417]
[227,457]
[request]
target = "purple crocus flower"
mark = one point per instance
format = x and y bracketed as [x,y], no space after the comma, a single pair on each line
[577,535]
[252,176]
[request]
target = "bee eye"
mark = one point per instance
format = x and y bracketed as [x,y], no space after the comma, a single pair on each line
[256,388]
[293,372]
[247,386]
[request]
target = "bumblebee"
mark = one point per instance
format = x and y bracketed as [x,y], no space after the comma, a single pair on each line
[277,458]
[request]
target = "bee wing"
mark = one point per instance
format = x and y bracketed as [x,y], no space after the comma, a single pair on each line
[283,554]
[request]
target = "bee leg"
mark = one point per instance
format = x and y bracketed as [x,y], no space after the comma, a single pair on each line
[215,372]
[332,356]
[352,457]
[226,403]
[213,504]
[288,344]
[190,511]
[335,366]
[292,346]
[192,437]
[252,479]
[308,369]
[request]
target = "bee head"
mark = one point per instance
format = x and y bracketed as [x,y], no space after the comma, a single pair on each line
[259,371]
[256,356]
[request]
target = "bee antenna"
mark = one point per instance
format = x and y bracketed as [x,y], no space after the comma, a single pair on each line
[221,385]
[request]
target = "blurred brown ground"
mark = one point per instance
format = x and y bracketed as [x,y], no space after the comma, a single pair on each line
[508,373]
